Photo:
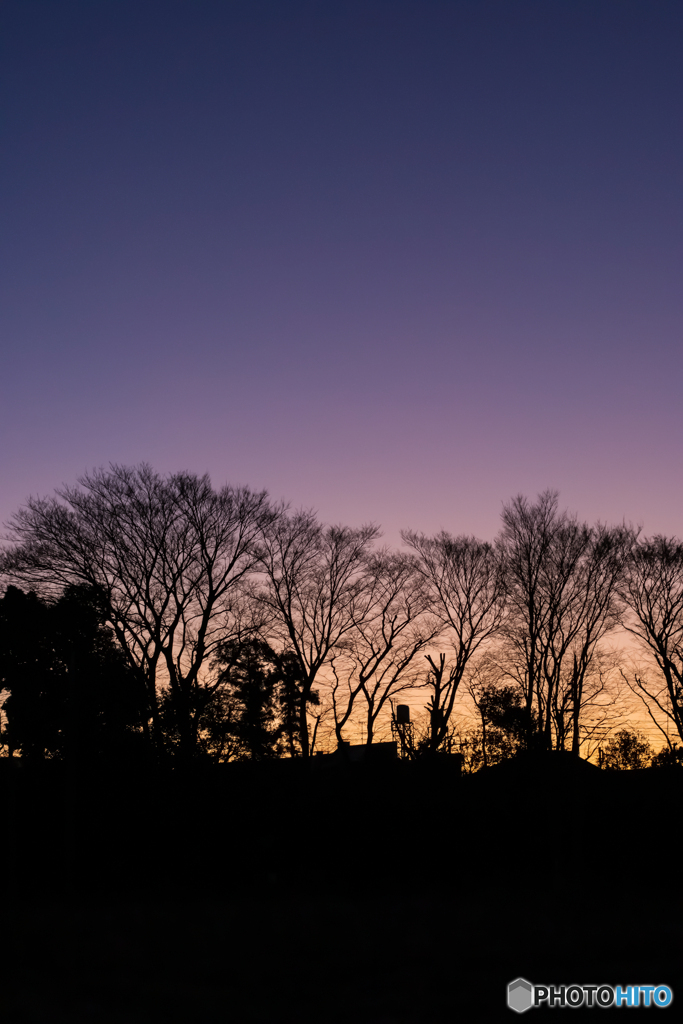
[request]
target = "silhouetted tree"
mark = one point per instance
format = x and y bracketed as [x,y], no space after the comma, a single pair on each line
[470,746]
[627,749]
[373,662]
[668,757]
[259,687]
[248,674]
[36,693]
[467,593]
[562,579]
[444,686]
[71,692]
[168,556]
[290,685]
[653,588]
[433,734]
[318,589]
[504,724]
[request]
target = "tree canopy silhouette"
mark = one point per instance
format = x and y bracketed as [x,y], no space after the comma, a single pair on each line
[562,582]
[239,625]
[167,555]
[653,587]
[318,588]
[467,591]
[72,694]
[258,691]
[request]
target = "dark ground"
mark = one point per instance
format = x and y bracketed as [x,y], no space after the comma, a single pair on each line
[395,894]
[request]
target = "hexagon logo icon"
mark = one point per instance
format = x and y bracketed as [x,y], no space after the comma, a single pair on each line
[520,995]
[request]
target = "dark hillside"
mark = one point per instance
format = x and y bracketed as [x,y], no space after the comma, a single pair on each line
[370,893]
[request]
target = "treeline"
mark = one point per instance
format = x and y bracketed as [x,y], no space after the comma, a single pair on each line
[157,619]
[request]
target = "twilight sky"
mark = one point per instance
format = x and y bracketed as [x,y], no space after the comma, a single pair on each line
[396,261]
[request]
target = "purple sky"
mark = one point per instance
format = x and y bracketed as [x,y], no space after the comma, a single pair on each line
[394,261]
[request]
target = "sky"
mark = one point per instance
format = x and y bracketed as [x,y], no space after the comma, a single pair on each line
[393,261]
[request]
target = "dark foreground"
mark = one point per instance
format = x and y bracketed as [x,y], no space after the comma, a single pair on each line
[394,894]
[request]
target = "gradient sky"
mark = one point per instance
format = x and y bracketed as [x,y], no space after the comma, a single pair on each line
[396,261]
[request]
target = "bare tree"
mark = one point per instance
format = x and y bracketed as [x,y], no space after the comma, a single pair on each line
[562,580]
[653,588]
[375,661]
[530,532]
[167,555]
[318,589]
[586,677]
[467,593]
